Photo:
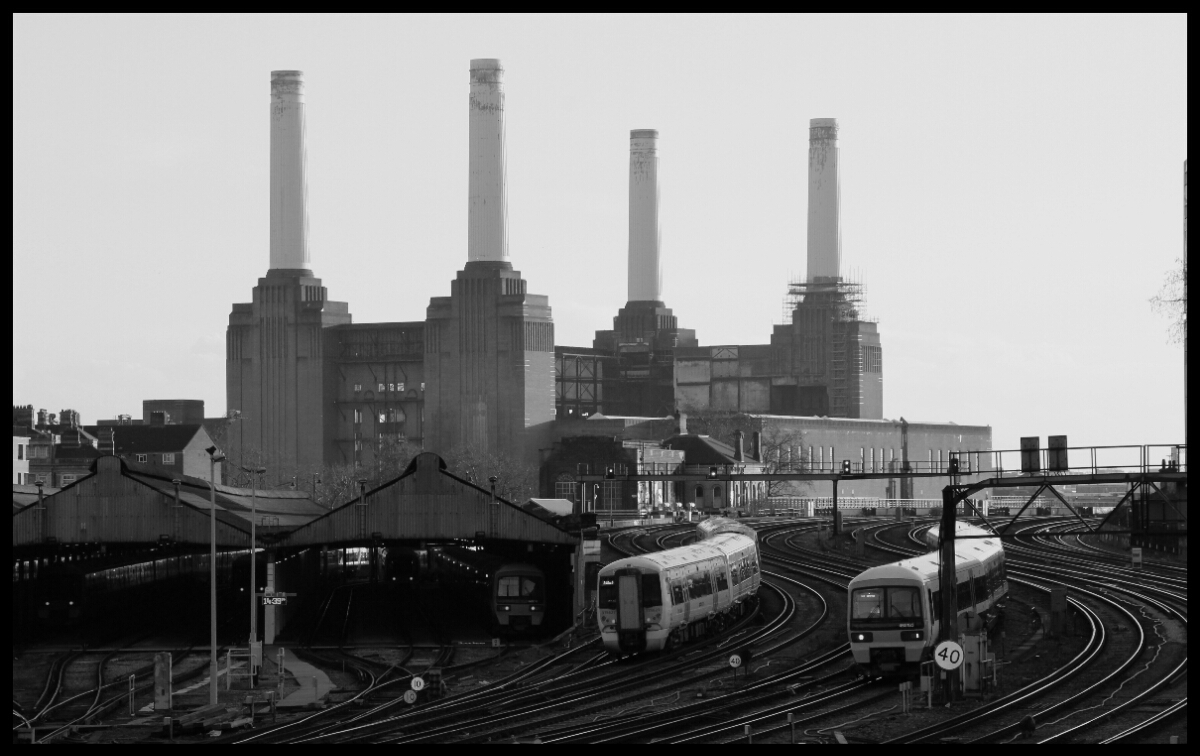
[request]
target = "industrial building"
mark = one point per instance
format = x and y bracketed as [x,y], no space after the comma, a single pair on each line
[482,370]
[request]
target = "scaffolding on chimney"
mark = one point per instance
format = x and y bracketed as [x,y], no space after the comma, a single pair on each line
[844,301]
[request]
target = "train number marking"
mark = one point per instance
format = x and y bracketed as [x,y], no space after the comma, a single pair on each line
[417,684]
[948,655]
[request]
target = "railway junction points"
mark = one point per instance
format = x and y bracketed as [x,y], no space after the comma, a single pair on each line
[431,610]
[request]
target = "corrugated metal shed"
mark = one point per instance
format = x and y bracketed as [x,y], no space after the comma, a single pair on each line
[24,495]
[119,505]
[427,502]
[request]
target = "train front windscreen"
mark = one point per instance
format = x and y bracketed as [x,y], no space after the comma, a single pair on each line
[885,606]
[527,587]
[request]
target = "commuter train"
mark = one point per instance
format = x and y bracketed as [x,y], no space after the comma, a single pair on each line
[711,526]
[653,601]
[71,591]
[893,608]
[513,593]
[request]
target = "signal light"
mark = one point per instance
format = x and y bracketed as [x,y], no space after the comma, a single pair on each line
[610,472]
[954,465]
[845,467]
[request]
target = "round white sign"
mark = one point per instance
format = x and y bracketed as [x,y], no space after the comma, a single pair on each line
[410,697]
[735,660]
[418,684]
[948,655]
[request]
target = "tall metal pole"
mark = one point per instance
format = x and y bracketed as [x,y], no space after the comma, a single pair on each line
[212,577]
[253,559]
[948,584]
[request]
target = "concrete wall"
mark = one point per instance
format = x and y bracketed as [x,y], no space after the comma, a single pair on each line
[878,443]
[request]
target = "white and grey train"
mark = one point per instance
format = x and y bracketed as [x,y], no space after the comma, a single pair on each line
[893,608]
[653,601]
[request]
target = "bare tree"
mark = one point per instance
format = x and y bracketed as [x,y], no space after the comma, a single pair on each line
[517,481]
[784,452]
[782,449]
[340,483]
[1171,301]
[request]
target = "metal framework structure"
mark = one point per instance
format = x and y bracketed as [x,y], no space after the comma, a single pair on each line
[1143,478]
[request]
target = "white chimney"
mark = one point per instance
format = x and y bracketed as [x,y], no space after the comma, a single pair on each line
[487,209]
[289,186]
[645,266]
[824,196]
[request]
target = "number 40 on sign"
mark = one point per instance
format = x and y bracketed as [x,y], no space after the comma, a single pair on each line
[948,655]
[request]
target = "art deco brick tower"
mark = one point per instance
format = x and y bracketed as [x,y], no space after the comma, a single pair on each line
[645,332]
[489,346]
[275,344]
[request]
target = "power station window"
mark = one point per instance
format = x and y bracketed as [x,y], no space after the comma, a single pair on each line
[168,459]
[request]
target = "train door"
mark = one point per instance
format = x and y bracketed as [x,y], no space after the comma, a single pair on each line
[723,596]
[631,633]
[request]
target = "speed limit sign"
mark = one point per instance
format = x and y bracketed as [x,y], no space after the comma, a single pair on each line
[417,684]
[410,697]
[948,655]
[735,660]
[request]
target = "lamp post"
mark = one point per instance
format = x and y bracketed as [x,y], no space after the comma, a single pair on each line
[254,473]
[214,456]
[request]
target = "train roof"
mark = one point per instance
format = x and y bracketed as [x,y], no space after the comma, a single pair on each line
[720,545]
[709,526]
[961,528]
[968,556]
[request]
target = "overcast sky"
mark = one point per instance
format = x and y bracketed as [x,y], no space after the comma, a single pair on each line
[1011,191]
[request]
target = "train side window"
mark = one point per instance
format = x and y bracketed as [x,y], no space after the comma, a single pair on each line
[677,594]
[722,580]
[754,565]
[964,595]
[734,575]
[651,591]
[981,589]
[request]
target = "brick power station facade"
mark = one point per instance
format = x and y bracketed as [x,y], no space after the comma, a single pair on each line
[310,387]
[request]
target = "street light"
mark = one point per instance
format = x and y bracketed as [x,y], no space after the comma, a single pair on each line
[214,456]
[254,472]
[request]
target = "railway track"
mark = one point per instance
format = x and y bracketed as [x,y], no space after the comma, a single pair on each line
[1110,593]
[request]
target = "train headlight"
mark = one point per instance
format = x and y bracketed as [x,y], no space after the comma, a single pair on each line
[861,637]
[70,603]
[505,608]
[535,608]
[912,635]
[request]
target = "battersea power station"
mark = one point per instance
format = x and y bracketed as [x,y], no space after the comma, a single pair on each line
[483,370]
